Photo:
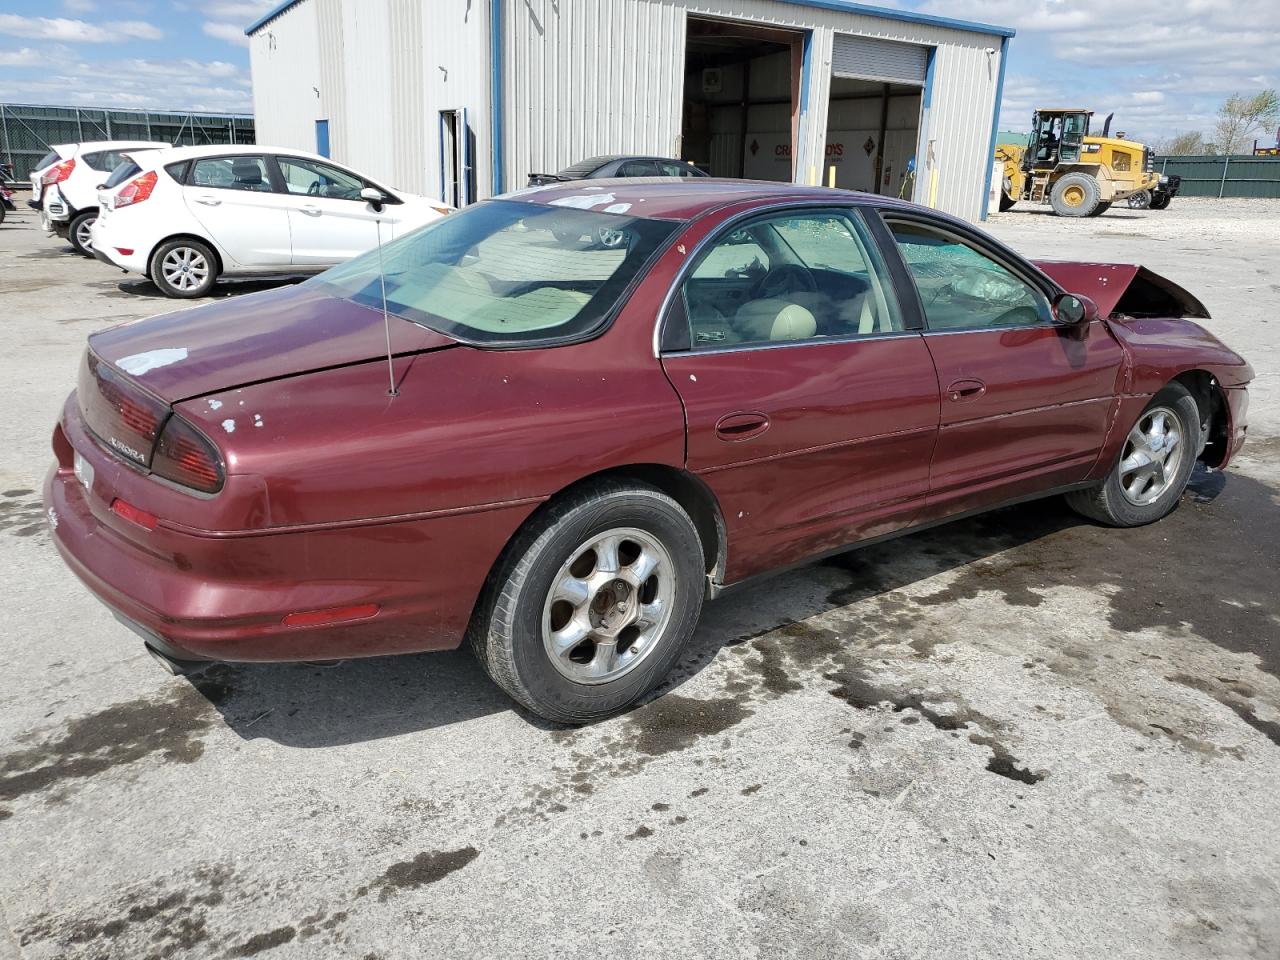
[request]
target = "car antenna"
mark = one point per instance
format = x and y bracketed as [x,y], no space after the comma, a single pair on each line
[375,200]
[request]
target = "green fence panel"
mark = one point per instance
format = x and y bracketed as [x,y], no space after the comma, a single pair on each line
[1238,176]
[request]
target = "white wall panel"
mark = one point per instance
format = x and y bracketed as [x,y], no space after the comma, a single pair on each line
[285,59]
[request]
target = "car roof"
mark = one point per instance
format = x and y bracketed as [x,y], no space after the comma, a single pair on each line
[681,198]
[93,146]
[238,149]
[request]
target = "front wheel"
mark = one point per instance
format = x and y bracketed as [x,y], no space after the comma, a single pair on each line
[592,604]
[1154,465]
[1075,195]
[78,233]
[1160,200]
[1140,200]
[184,269]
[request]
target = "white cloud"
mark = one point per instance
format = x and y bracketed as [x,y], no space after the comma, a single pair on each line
[26,57]
[161,85]
[67,30]
[225,31]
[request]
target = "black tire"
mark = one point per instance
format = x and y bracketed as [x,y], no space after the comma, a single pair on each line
[3,211]
[1160,200]
[1140,200]
[78,232]
[1006,202]
[200,253]
[1101,208]
[1075,195]
[1108,502]
[506,630]
[566,236]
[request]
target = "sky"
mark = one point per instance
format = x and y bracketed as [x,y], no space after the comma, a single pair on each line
[1163,66]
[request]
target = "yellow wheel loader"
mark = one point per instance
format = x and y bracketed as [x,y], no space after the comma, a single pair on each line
[1079,175]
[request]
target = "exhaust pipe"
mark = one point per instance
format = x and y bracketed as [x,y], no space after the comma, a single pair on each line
[173,666]
[1106,126]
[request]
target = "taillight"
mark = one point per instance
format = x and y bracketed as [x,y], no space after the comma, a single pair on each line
[136,190]
[187,457]
[59,173]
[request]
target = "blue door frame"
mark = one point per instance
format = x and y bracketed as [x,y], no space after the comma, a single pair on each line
[322,137]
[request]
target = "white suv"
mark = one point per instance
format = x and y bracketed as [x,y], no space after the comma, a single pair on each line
[64,186]
[194,214]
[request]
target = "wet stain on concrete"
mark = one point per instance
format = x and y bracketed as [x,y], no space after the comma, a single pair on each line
[674,723]
[22,513]
[1235,696]
[170,923]
[261,942]
[426,868]
[1004,763]
[640,832]
[124,733]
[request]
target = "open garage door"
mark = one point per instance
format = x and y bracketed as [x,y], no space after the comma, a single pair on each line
[874,114]
[741,98]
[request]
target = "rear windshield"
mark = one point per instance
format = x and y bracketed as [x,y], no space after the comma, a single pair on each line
[126,170]
[579,170]
[47,159]
[504,271]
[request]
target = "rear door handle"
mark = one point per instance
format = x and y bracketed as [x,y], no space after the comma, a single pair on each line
[207,200]
[963,390]
[741,426]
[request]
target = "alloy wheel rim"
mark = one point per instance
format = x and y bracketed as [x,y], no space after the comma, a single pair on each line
[1152,454]
[609,606]
[185,268]
[83,235]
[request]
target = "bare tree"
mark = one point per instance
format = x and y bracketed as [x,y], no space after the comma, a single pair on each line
[1239,117]
[1180,144]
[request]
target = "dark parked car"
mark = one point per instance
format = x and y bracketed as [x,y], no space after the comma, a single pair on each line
[618,165]
[583,445]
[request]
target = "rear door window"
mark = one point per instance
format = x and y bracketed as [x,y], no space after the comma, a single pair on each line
[232,173]
[639,168]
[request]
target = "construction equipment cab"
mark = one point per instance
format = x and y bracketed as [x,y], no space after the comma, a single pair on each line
[1062,165]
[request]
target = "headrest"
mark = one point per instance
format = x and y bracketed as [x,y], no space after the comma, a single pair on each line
[793,322]
[246,170]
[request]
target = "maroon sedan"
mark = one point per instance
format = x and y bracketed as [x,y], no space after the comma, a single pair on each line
[576,447]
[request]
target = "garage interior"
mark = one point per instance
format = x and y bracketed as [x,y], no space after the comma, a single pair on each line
[872,132]
[741,98]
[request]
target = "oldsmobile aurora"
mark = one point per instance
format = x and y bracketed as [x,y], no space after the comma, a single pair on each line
[570,449]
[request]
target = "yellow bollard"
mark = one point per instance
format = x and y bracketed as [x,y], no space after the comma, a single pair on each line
[831,176]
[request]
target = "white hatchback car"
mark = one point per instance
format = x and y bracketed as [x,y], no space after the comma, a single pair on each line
[64,185]
[191,215]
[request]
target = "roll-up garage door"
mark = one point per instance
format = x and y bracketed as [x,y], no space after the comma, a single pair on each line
[867,59]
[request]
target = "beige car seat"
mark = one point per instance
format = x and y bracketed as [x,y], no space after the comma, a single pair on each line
[775,319]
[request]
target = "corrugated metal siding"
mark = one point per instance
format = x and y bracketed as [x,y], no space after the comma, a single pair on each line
[408,98]
[584,77]
[580,77]
[285,59]
[333,102]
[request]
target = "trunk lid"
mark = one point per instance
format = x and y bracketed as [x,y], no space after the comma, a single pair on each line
[251,339]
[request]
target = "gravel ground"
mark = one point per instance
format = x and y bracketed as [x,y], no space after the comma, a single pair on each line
[1015,736]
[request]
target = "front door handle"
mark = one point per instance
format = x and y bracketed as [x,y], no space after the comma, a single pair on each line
[963,390]
[207,200]
[310,209]
[734,427]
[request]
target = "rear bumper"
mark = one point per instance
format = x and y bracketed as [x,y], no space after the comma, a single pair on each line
[218,597]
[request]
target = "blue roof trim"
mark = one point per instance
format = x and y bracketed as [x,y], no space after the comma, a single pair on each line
[907,16]
[266,18]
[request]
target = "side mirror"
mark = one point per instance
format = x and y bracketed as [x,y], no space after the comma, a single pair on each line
[1075,312]
[375,197]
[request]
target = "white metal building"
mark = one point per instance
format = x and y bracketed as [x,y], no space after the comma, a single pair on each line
[465,98]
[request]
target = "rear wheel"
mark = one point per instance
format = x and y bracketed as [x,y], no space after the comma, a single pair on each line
[78,232]
[1160,200]
[1154,465]
[184,269]
[1140,200]
[1075,195]
[1100,209]
[1006,202]
[592,604]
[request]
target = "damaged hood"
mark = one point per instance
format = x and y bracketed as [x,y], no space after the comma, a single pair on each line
[1124,289]
[254,338]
